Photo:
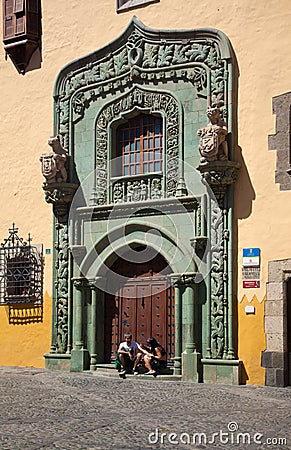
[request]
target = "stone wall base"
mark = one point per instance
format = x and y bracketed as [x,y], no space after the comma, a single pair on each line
[216,371]
[276,364]
[191,367]
[80,360]
[222,371]
[57,361]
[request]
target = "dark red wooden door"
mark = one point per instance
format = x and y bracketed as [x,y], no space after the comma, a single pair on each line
[144,307]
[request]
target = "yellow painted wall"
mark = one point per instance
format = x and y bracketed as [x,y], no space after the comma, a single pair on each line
[251,340]
[260,34]
[25,334]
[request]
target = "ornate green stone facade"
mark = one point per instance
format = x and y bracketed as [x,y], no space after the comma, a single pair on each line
[175,75]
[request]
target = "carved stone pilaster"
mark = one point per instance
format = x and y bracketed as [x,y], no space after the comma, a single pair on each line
[218,175]
[61,286]
[60,195]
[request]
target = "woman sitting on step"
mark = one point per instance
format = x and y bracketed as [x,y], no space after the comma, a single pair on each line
[155,358]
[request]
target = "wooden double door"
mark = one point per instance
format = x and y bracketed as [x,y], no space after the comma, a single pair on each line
[143,306]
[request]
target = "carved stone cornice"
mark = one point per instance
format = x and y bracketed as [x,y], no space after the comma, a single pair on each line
[218,175]
[80,282]
[153,207]
[184,279]
[59,193]
[199,243]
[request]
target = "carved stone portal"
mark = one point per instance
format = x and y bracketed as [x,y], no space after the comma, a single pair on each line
[142,72]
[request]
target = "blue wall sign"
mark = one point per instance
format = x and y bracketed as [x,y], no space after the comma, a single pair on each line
[251,256]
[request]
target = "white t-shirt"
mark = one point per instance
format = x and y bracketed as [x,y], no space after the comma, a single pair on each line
[133,346]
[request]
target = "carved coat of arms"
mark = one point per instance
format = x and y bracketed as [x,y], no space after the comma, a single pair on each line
[213,145]
[48,166]
[53,163]
[208,146]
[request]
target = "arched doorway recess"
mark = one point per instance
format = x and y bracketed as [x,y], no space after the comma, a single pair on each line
[143,305]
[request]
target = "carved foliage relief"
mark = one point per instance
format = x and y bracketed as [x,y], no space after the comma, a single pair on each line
[217,287]
[62,273]
[142,60]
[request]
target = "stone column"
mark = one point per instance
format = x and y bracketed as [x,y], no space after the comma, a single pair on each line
[79,285]
[79,355]
[93,353]
[189,318]
[178,326]
[191,359]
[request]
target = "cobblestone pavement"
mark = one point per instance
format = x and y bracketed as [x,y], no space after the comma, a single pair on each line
[44,410]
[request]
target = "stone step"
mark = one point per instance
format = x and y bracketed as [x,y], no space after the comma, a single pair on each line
[110,367]
[114,374]
[108,370]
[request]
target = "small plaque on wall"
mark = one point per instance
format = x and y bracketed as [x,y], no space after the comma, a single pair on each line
[251,273]
[251,284]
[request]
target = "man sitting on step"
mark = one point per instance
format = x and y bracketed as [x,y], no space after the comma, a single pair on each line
[130,354]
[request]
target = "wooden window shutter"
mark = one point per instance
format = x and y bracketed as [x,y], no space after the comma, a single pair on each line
[9,19]
[8,7]
[19,12]
[18,6]
[19,25]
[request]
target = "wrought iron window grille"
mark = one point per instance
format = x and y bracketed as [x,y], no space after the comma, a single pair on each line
[21,270]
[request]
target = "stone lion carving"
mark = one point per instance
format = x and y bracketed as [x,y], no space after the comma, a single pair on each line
[213,145]
[53,163]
